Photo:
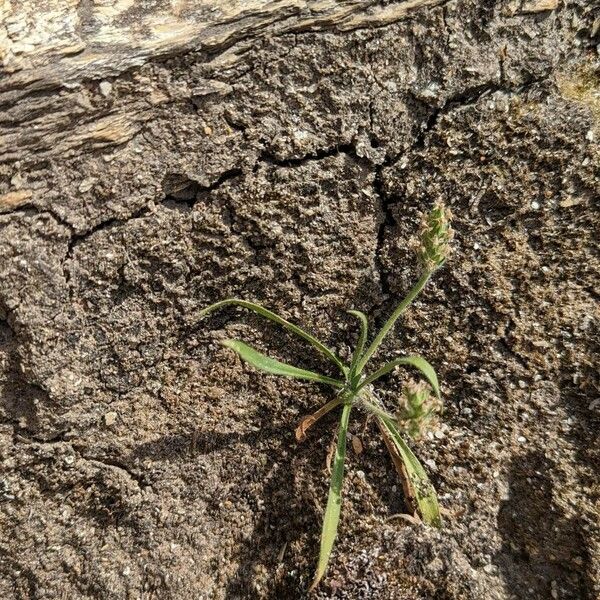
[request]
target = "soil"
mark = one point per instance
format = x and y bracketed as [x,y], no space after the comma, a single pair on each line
[141,459]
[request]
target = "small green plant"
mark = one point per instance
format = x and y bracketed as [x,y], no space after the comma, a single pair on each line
[416,411]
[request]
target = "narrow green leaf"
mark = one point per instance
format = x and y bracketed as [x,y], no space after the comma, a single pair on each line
[423,490]
[362,338]
[414,361]
[334,501]
[264,312]
[275,367]
[414,292]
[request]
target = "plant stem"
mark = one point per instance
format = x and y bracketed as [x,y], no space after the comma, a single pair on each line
[360,346]
[414,292]
[377,411]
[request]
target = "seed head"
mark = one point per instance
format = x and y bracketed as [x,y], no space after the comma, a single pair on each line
[419,408]
[436,233]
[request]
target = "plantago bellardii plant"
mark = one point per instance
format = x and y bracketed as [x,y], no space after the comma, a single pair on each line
[417,409]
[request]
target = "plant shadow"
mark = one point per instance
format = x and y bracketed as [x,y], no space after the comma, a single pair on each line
[277,560]
[271,561]
[183,446]
[24,403]
[544,552]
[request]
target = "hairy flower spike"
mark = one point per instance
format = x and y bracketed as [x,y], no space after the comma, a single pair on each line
[435,236]
[419,409]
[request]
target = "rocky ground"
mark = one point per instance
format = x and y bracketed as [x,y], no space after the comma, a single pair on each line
[140,459]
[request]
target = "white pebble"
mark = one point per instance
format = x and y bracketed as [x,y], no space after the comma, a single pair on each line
[521,439]
[87,184]
[535,205]
[105,88]
[17,180]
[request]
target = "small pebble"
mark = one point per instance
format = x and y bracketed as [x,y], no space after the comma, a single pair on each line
[521,439]
[87,184]
[535,205]
[105,88]
[16,180]
[357,444]
[110,418]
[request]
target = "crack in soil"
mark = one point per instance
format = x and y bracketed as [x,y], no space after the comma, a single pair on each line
[472,96]
[315,155]
[467,97]
[387,220]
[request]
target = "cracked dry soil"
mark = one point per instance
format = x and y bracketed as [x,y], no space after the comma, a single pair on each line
[142,460]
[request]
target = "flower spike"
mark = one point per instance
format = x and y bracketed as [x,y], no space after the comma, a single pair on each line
[436,234]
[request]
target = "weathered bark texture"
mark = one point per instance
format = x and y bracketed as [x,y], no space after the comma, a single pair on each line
[158,156]
[68,43]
